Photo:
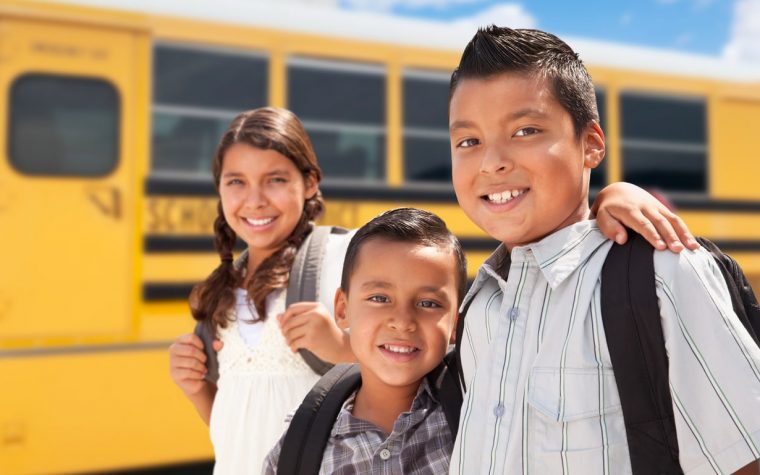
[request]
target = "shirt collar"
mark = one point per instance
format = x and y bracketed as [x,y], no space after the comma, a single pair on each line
[557,256]
[346,425]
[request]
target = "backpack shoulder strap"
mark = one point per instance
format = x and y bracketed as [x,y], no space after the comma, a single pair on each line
[444,381]
[743,299]
[632,326]
[207,335]
[303,283]
[212,362]
[304,443]
[457,359]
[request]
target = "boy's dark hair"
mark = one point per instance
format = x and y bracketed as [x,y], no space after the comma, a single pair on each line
[495,50]
[410,225]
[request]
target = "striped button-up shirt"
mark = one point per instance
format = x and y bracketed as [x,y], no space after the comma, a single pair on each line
[541,394]
[420,443]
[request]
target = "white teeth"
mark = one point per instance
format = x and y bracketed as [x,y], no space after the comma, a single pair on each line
[258,222]
[504,196]
[399,349]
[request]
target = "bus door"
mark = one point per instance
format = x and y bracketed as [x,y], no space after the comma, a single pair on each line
[67,181]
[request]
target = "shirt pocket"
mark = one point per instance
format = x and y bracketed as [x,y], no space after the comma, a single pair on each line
[574,421]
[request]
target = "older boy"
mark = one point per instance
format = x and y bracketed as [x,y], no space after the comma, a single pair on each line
[541,394]
[403,278]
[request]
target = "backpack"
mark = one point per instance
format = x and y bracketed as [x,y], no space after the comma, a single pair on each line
[630,308]
[303,285]
[304,443]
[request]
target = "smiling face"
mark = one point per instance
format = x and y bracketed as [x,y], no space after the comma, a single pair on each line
[400,309]
[263,196]
[519,169]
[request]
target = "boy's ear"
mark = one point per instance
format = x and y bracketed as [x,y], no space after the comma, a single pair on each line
[340,309]
[594,147]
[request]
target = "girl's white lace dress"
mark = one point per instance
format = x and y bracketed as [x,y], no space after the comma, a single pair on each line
[260,379]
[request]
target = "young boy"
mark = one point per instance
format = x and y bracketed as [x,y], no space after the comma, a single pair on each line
[403,278]
[541,394]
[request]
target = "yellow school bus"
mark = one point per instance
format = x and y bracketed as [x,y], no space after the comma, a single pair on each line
[109,114]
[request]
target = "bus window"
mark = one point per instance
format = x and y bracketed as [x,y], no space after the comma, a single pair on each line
[664,142]
[196,93]
[598,174]
[63,126]
[427,153]
[342,106]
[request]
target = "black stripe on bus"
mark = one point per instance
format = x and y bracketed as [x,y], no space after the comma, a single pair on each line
[205,244]
[179,243]
[164,186]
[155,292]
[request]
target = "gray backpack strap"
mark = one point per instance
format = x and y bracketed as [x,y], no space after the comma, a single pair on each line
[208,336]
[303,283]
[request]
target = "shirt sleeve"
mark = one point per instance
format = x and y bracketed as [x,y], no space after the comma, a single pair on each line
[714,365]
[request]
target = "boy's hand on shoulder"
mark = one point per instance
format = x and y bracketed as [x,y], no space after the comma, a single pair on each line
[309,325]
[187,363]
[624,204]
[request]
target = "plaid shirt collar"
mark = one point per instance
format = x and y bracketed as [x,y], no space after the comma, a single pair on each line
[346,425]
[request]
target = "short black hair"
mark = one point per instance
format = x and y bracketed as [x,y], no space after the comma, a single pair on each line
[495,50]
[409,225]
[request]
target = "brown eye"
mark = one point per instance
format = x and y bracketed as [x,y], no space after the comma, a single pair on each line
[467,143]
[525,131]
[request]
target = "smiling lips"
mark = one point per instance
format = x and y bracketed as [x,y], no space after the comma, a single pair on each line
[399,353]
[258,222]
[504,196]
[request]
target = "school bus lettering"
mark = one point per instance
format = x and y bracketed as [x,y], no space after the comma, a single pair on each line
[180,216]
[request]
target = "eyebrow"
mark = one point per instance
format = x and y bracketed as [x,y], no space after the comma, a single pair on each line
[527,112]
[461,124]
[278,172]
[373,284]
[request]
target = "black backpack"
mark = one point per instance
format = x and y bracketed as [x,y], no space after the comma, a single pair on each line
[303,285]
[631,318]
[304,443]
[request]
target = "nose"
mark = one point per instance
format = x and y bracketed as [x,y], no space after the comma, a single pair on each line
[403,321]
[256,198]
[496,159]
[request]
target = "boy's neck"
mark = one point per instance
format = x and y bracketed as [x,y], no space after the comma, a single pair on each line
[582,213]
[381,404]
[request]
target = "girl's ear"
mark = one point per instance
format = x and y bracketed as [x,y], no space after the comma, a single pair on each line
[310,186]
[340,309]
[594,145]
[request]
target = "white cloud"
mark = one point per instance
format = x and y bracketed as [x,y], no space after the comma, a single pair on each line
[510,14]
[744,44]
[387,5]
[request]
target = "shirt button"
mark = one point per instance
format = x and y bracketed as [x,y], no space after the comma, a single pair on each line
[498,411]
[514,312]
[385,454]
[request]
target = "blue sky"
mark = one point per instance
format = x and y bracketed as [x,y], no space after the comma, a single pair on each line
[697,26]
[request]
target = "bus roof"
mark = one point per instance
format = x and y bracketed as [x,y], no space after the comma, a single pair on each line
[382,28]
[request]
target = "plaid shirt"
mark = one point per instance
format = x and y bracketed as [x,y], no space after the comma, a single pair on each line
[420,442]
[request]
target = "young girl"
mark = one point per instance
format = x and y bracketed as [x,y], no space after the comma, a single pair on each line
[266,173]
[267,176]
